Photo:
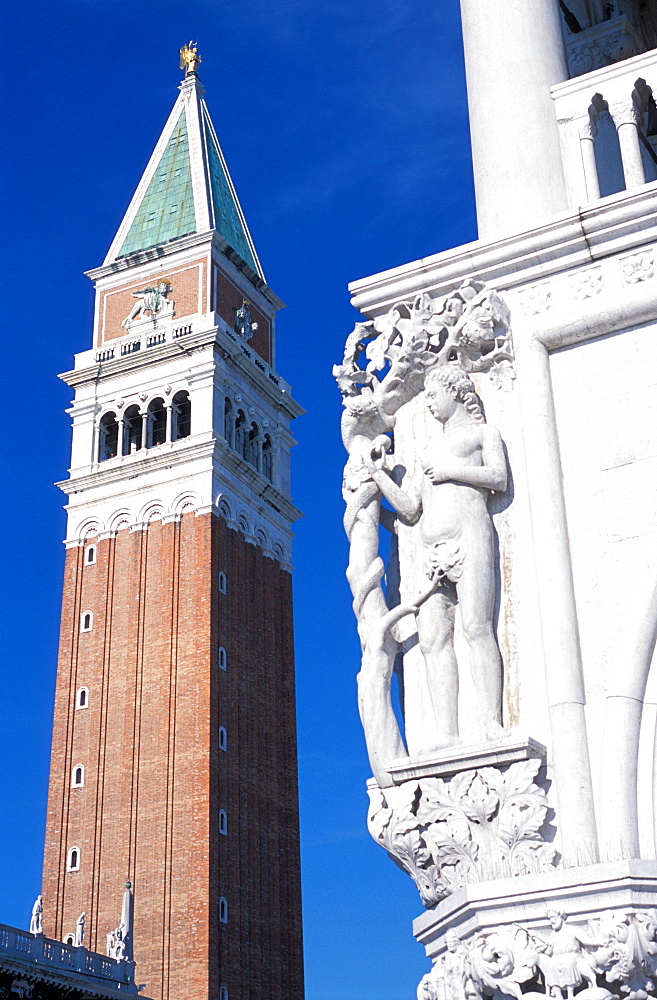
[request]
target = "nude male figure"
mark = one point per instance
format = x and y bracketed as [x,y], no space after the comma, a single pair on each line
[456,532]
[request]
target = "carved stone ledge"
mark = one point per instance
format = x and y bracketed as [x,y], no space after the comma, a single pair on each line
[590,930]
[603,44]
[463,758]
[580,891]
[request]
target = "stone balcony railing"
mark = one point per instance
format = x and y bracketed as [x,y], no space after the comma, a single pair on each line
[34,954]
[146,335]
[608,128]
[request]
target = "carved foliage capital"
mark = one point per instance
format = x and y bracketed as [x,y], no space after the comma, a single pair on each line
[478,825]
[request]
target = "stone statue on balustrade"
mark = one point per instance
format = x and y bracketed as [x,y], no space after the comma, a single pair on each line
[36,926]
[116,943]
[79,930]
[422,464]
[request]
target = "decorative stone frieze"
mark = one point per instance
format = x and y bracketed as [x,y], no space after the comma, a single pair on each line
[586,283]
[616,947]
[638,267]
[602,44]
[537,299]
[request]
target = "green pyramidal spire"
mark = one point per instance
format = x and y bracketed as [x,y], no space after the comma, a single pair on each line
[186,187]
[166,211]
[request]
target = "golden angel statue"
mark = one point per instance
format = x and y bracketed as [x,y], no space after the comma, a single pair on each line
[190,60]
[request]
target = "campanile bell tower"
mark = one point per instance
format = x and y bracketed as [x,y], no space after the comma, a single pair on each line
[174,749]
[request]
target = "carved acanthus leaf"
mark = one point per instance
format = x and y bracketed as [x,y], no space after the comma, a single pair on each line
[478,825]
[390,354]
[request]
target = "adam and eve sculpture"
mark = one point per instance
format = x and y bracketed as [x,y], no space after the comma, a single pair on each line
[422,465]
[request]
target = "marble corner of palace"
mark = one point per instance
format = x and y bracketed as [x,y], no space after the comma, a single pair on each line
[581,892]
[621,223]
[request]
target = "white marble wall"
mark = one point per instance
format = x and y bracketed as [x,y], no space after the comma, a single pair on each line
[605,393]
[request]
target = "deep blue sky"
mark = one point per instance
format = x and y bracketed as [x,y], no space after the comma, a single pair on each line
[344,124]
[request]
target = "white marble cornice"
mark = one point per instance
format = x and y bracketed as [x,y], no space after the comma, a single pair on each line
[617,306]
[613,224]
[597,79]
[227,459]
[96,372]
[132,261]
[140,264]
[129,467]
[277,392]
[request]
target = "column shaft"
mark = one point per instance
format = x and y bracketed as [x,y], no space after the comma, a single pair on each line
[587,146]
[514,53]
[569,749]
[630,147]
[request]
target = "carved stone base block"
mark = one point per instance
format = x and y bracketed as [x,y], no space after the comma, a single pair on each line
[450,761]
[589,931]
[602,45]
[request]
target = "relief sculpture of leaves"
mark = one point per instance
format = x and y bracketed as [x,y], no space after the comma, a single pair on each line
[477,825]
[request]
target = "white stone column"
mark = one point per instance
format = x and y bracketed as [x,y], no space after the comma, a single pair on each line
[514,53]
[120,444]
[587,147]
[628,679]
[169,409]
[630,146]
[258,451]
[144,429]
[569,750]
[230,420]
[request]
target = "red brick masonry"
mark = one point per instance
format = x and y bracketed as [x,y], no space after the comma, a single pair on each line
[188,292]
[155,777]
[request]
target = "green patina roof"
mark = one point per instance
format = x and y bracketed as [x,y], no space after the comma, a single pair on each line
[167,209]
[227,220]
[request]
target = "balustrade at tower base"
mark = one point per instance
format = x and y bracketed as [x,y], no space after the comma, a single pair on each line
[499,416]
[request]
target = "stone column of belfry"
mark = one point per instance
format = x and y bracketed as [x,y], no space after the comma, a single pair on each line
[177,604]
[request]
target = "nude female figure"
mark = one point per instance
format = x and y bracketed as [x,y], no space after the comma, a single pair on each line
[456,533]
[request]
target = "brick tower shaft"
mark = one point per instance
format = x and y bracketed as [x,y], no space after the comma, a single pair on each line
[174,748]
